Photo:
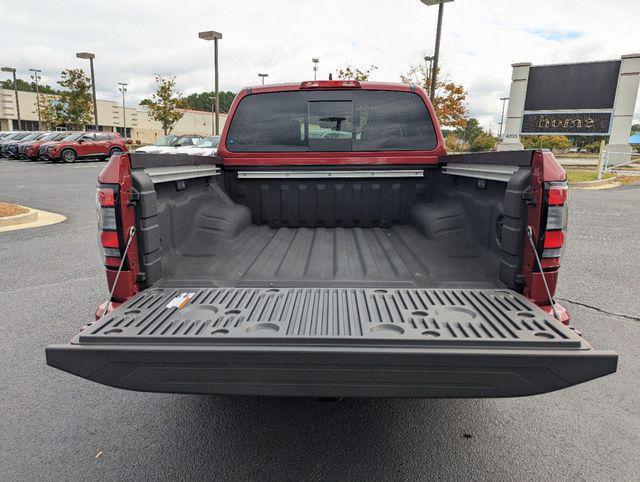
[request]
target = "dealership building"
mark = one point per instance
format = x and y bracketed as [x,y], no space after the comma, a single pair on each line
[140,126]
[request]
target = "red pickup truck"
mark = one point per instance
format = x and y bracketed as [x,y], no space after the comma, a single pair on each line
[333,249]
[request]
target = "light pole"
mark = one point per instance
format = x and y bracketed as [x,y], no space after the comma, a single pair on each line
[215,36]
[429,59]
[503,99]
[36,77]
[436,54]
[15,90]
[123,89]
[315,61]
[262,76]
[90,56]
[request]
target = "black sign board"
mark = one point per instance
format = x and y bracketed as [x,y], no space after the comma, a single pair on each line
[584,86]
[581,123]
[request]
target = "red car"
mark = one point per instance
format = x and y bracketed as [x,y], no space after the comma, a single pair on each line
[29,150]
[84,145]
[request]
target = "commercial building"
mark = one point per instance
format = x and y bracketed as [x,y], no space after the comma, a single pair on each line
[140,127]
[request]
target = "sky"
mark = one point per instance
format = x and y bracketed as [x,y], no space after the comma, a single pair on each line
[133,40]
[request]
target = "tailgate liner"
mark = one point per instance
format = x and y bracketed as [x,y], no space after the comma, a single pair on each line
[333,342]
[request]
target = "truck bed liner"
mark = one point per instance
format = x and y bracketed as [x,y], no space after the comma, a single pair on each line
[397,256]
[333,342]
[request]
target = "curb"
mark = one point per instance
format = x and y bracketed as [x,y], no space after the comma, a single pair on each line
[596,183]
[29,217]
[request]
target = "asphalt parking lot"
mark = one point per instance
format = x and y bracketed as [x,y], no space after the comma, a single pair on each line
[56,426]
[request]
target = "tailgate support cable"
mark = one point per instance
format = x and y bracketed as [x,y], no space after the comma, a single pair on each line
[132,232]
[544,278]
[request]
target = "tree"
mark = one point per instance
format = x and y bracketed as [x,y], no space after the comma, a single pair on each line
[50,112]
[450,98]
[484,142]
[75,98]
[353,73]
[469,131]
[25,86]
[452,143]
[203,101]
[555,143]
[164,106]
[635,128]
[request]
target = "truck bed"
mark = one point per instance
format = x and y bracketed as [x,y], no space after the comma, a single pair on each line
[397,256]
[332,342]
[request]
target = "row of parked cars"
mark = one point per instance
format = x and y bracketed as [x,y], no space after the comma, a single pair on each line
[60,146]
[185,144]
[69,146]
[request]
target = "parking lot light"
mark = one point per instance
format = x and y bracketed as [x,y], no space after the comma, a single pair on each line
[215,36]
[15,91]
[36,77]
[262,76]
[123,89]
[90,56]
[436,54]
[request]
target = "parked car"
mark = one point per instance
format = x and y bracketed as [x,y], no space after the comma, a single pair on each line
[11,148]
[370,266]
[169,143]
[207,146]
[83,145]
[29,150]
[15,136]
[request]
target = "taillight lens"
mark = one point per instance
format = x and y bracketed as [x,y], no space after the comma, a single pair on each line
[557,215]
[108,225]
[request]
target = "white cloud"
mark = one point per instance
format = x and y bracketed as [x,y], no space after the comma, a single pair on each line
[481,39]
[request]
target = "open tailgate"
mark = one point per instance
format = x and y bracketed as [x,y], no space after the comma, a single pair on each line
[332,342]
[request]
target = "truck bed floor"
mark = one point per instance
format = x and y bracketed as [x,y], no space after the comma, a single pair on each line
[399,256]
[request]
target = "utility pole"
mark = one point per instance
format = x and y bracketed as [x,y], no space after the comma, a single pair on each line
[15,91]
[503,99]
[315,61]
[36,77]
[262,76]
[123,89]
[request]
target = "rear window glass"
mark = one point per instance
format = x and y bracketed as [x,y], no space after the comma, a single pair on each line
[354,120]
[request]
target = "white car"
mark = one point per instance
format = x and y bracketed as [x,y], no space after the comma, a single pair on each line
[208,146]
[168,144]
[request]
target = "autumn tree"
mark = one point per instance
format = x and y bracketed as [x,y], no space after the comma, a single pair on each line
[450,98]
[483,142]
[555,143]
[452,143]
[164,105]
[50,112]
[76,102]
[354,73]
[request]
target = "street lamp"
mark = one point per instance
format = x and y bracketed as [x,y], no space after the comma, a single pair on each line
[429,59]
[123,89]
[262,76]
[315,61]
[436,54]
[15,90]
[90,56]
[503,99]
[36,77]
[215,36]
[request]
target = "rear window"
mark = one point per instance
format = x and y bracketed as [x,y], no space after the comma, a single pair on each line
[354,120]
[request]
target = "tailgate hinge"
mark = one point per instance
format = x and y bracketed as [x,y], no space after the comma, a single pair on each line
[134,197]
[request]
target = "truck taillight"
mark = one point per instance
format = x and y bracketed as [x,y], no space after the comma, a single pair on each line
[108,225]
[557,214]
